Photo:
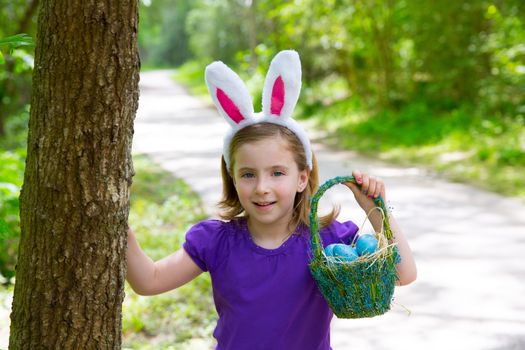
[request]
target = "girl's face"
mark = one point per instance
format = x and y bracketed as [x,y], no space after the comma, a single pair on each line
[267,179]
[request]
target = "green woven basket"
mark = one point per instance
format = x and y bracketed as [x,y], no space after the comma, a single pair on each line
[360,288]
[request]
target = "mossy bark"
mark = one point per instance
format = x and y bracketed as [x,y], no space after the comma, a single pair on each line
[74,203]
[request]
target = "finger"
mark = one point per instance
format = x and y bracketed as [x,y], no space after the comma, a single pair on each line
[358,177]
[365,183]
[383,192]
[379,188]
[372,187]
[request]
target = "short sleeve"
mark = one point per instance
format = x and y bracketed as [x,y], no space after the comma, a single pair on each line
[202,242]
[338,232]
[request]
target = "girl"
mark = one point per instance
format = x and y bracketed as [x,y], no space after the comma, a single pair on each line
[258,257]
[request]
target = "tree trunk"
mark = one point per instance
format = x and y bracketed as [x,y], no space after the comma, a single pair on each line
[75,199]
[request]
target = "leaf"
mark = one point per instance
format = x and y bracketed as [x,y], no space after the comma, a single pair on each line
[5,231]
[18,40]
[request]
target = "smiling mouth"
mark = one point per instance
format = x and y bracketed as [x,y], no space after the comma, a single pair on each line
[264,204]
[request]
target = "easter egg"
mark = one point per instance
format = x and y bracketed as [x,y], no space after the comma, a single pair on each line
[366,244]
[329,250]
[345,252]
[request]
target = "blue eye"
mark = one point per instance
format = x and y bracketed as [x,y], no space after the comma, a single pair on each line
[278,173]
[247,175]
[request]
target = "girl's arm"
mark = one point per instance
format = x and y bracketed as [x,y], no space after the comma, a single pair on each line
[406,269]
[150,278]
[371,187]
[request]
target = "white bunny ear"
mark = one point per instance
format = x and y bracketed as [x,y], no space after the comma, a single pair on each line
[282,85]
[229,93]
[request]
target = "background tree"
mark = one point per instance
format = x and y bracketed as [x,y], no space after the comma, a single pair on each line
[75,197]
[162,38]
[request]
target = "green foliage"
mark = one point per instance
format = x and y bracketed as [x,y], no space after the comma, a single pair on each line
[213,28]
[12,164]
[15,86]
[388,53]
[16,64]
[11,16]
[461,144]
[436,83]
[13,42]
[16,57]
[11,177]
[191,75]
[18,40]
[16,130]
[162,209]
[163,41]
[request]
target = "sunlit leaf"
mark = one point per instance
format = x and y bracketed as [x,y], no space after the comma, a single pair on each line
[14,41]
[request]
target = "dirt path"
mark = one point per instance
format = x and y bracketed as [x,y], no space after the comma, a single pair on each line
[469,244]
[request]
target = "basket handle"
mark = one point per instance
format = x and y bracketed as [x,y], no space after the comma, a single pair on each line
[315,237]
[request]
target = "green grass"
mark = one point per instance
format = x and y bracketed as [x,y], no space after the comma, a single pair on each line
[460,144]
[191,75]
[162,209]
[465,144]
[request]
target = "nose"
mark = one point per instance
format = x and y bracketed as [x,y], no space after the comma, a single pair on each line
[262,185]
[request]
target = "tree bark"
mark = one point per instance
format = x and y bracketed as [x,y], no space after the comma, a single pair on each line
[74,203]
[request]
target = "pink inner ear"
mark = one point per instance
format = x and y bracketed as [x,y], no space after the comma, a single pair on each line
[229,107]
[277,96]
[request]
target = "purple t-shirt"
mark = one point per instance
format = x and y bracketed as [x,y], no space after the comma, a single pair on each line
[265,298]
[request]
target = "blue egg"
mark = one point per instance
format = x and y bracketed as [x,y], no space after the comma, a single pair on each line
[329,250]
[345,252]
[366,244]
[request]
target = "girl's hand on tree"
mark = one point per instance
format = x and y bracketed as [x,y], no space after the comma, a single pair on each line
[368,187]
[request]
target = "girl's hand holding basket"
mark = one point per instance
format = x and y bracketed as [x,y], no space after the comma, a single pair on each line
[363,287]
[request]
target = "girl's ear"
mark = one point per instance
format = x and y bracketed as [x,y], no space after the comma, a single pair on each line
[303,180]
[282,85]
[229,93]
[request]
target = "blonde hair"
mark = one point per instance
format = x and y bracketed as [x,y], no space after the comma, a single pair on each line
[230,203]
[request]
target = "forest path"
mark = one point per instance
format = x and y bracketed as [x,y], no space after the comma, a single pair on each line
[469,244]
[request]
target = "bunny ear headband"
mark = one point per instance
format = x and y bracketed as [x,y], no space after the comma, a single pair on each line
[280,93]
